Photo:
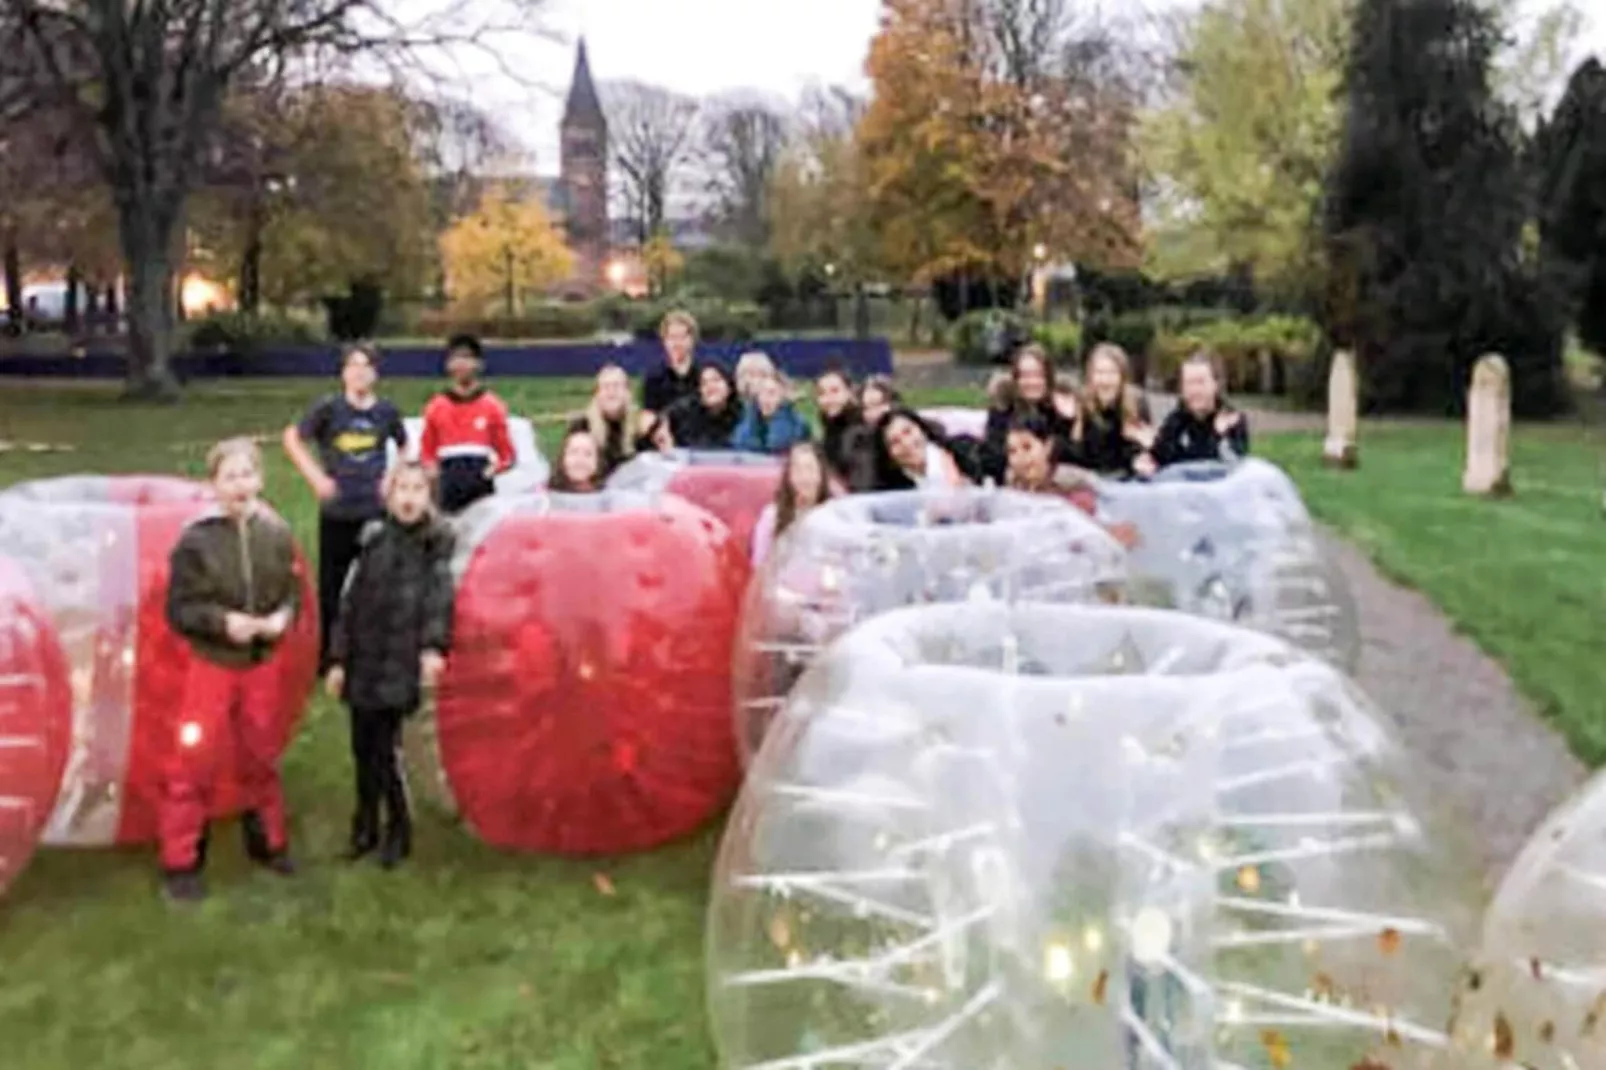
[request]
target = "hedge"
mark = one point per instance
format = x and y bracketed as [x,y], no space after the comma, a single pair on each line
[1259,354]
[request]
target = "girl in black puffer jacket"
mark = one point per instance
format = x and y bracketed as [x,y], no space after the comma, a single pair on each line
[390,644]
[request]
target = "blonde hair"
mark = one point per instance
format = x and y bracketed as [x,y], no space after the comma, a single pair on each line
[1129,398]
[750,367]
[597,421]
[239,446]
[678,317]
[393,476]
[1000,389]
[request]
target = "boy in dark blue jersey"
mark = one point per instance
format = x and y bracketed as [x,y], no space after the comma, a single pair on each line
[339,448]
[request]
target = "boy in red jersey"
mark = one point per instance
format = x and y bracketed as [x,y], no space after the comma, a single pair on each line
[465,444]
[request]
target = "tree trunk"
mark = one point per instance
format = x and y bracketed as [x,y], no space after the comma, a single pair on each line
[147,247]
[69,306]
[251,276]
[13,271]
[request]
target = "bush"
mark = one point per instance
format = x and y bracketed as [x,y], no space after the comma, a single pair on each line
[1062,340]
[244,333]
[554,320]
[1134,332]
[1251,350]
[975,341]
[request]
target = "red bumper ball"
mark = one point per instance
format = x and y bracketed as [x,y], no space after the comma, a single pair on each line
[734,487]
[586,704]
[35,719]
[97,548]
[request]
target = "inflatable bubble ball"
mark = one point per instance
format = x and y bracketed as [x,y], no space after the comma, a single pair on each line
[1536,993]
[530,470]
[586,706]
[971,423]
[859,555]
[1236,543]
[1162,842]
[734,487]
[35,719]
[96,549]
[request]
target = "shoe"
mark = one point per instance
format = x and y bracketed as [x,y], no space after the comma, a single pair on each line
[184,886]
[278,862]
[364,838]
[397,847]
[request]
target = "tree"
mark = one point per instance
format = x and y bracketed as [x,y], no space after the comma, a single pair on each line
[1239,154]
[741,144]
[146,84]
[818,200]
[650,134]
[994,127]
[329,192]
[507,249]
[1424,216]
[1570,162]
[662,261]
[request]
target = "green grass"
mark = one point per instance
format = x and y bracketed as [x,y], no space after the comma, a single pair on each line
[1524,577]
[472,959]
[464,959]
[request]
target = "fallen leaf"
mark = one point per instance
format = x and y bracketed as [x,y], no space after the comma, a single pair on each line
[1276,1048]
[1505,1041]
[603,884]
[1547,1032]
[1101,985]
[1388,941]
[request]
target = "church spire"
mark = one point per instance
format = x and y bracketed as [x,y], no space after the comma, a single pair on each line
[583,107]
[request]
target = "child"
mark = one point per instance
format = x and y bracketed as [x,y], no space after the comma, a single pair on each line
[805,483]
[390,644]
[1203,427]
[233,594]
[465,444]
[770,423]
[579,469]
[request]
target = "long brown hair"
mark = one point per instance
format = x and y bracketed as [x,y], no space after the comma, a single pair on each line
[786,494]
[1088,403]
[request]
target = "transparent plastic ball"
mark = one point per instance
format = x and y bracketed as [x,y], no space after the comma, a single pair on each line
[1235,542]
[863,554]
[586,706]
[733,486]
[96,549]
[971,423]
[35,719]
[1535,996]
[530,470]
[1165,842]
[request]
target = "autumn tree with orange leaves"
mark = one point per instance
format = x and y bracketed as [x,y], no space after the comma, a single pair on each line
[995,127]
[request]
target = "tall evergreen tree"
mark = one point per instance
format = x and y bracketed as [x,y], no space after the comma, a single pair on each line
[1424,214]
[1570,161]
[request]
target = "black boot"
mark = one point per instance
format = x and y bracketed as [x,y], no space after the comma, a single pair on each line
[184,885]
[398,842]
[258,850]
[364,836]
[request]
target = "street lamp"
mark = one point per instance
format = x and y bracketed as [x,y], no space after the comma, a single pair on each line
[1039,252]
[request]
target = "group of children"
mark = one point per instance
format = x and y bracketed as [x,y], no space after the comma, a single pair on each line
[385,586]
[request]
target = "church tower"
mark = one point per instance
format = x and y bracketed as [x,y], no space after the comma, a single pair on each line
[583,175]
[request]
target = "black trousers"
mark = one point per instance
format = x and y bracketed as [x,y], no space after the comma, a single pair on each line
[376,755]
[338,543]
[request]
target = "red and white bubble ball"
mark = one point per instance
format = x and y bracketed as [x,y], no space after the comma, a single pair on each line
[35,719]
[97,550]
[735,487]
[586,705]
[861,555]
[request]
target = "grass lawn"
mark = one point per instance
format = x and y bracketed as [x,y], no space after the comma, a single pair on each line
[1524,577]
[465,959]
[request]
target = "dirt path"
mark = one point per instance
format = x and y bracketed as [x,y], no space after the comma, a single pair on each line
[1476,741]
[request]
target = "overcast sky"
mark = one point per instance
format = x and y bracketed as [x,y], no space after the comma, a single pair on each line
[709,46]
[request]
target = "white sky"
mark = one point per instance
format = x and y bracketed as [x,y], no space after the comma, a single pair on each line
[702,47]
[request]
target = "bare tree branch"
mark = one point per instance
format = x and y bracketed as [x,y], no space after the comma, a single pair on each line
[741,143]
[650,134]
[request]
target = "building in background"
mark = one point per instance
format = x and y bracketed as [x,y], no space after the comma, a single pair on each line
[580,196]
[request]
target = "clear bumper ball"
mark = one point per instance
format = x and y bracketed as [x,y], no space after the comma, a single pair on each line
[857,556]
[1169,844]
[1235,542]
[1535,996]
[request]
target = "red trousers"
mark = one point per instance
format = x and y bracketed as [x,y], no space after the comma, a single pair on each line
[223,709]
